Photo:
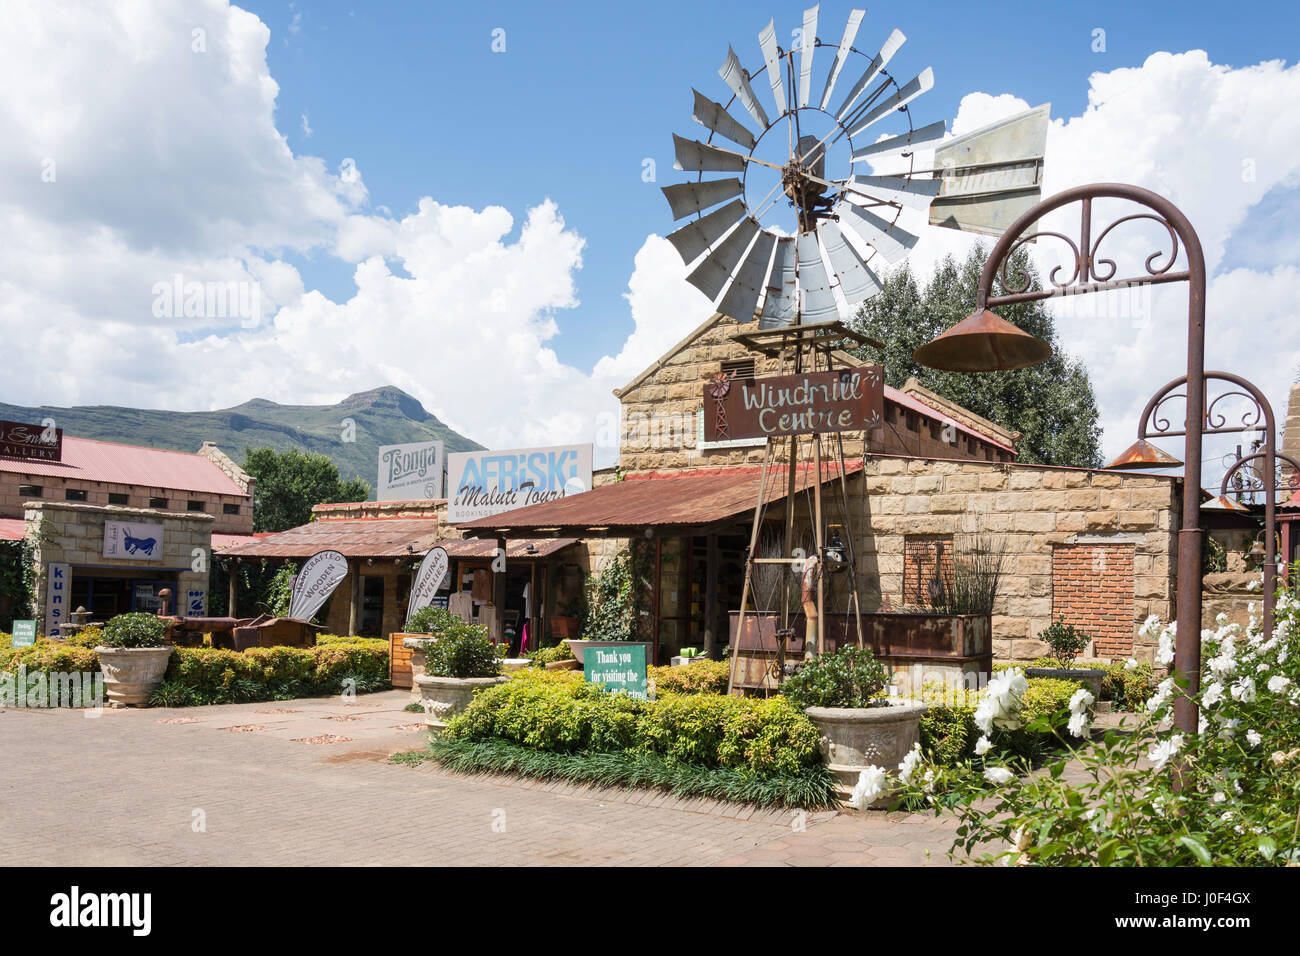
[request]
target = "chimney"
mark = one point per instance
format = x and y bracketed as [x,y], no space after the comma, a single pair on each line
[1291,431]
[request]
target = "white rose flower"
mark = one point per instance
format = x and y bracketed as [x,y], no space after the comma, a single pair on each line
[1244,690]
[1165,750]
[998,775]
[1081,701]
[1213,694]
[909,764]
[1253,738]
[1277,683]
[1079,725]
[871,784]
[1131,664]
[1165,651]
[983,746]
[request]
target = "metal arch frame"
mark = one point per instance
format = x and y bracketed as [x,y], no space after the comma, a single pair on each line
[1086,279]
[1291,484]
[1213,423]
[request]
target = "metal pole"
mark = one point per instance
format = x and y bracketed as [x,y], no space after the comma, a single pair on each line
[818,643]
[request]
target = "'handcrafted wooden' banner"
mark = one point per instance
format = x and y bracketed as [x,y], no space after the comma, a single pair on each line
[851,399]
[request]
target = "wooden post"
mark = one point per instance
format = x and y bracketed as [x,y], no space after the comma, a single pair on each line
[711,569]
[354,607]
[232,576]
[499,592]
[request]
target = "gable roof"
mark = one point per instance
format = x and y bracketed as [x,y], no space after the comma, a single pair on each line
[86,459]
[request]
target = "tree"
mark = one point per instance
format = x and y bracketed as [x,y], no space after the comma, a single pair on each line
[1051,404]
[289,483]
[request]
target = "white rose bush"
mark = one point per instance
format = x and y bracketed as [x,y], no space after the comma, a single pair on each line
[1149,794]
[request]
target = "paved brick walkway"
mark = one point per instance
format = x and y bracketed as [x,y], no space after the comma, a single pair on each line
[242,784]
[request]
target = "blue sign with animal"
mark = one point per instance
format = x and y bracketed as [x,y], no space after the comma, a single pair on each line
[133,540]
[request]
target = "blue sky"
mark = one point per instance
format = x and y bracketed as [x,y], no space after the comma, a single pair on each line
[585,91]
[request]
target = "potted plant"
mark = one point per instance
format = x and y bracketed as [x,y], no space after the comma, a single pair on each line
[1068,642]
[461,660]
[568,622]
[422,629]
[133,658]
[859,729]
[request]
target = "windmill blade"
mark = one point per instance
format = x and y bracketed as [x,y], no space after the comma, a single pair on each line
[779,306]
[711,275]
[919,84]
[842,54]
[694,156]
[877,64]
[857,281]
[713,116]
[807,44]
[902,142]
[687,198]
[742,298]
[694,238]
[914,193]
[814,282]
[892,241]
[767,41]
[733,74]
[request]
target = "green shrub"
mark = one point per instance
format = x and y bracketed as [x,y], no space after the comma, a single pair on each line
[86,637]
[50,657]
[702,677]
[849,677]
[322,639]
[172,693]
[1066,641]
[432,620]
[134,630]
[948,733]
[218,676]
[549,655]
[1129,689]
[463,650]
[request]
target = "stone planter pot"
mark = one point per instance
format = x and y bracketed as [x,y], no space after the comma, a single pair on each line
[418,647]
[132,673]
[854,738]
[445,697]
[1088,676]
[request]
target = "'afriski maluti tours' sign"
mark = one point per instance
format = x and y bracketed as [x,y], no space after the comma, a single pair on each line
[851,399]
[484,483]
[410,472]
[41,442]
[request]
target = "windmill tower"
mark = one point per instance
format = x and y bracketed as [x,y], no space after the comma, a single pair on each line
[809,205]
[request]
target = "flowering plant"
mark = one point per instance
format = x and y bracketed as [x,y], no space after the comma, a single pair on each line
[1150,794]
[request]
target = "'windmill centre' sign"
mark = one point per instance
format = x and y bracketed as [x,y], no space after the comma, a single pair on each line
[851,399]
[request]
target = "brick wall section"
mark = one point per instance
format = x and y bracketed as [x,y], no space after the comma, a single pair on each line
[923,556]
[1092,588]
[658,426]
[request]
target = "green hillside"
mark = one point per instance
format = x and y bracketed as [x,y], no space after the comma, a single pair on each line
[382,416]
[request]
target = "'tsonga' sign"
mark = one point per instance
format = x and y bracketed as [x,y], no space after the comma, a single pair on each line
[851,399]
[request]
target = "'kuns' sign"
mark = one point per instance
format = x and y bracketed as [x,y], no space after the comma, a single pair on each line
[58,587]
[133,541]
[433,571]
[483,483]
[320,575]
[41,442]
[851,399]
[411,472]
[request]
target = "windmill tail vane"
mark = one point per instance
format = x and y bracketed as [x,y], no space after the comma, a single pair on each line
[847,222]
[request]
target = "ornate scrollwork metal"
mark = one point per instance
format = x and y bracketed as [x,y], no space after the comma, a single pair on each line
[1009,287]
[1250,481]
[1157,423]
[1149,264]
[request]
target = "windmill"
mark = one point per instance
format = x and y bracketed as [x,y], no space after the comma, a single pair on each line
[824,261]
[719,386]
[844,163]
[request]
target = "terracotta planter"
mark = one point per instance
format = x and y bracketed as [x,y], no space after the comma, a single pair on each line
[854,738]
[445,697]
[132,673]
[562,627]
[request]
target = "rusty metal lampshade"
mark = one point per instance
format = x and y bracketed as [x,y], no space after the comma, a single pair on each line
[1142,454]
[983,342]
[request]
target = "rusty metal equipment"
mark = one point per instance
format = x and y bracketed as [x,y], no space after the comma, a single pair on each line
[239,634]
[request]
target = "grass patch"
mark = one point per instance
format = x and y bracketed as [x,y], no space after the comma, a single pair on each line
[411,758]
[810,788]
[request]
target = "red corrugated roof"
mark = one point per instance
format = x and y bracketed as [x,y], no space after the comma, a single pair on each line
[90,460]
[916,405]
[352,537]
[12,529]
[701,496]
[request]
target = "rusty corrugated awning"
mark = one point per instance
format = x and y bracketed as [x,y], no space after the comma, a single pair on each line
[516,548]
[351,537]
[682,499]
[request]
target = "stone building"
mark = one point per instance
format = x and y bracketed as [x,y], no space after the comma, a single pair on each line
[1092,546]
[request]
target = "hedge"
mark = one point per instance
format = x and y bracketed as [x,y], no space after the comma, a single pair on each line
[949,734]
[558,712]
[205,675]
[702,677]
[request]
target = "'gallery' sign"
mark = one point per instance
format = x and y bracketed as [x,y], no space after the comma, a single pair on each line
[483,483]
[411,472]
[851,399]
[40,442]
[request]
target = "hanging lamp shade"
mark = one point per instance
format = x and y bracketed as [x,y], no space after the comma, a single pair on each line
[983,342]
[1142,454]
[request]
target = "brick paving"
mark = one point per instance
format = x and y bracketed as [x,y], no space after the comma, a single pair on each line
[294,784]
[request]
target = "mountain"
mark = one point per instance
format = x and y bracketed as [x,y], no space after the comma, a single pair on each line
[381,416]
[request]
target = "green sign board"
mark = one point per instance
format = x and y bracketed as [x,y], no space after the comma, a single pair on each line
[620,667]
[24,633]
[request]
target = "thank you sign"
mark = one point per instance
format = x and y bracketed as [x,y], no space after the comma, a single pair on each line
[433,571]
[320,575]
[620,667]
[410,472]
[850,399]
[483,483]
[133,541]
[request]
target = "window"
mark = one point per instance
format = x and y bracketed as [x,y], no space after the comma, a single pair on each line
[117,498]
[739,368]
[157,502]
[911,422]
[230,509]
[75,494]
[194,506]
[30,491]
